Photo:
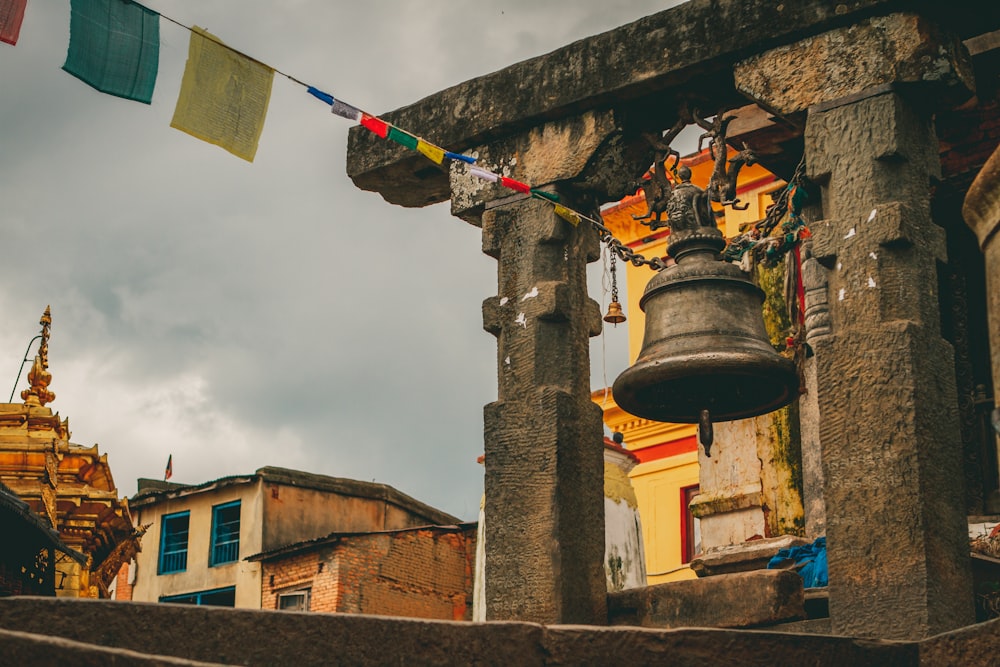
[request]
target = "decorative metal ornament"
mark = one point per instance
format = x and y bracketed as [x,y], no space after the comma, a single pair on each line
[705,354]
[615,315]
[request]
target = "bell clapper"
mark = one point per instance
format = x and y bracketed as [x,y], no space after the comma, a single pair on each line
[706,433]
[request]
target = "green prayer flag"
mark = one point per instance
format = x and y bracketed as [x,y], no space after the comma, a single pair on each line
[403,138]
[114,46]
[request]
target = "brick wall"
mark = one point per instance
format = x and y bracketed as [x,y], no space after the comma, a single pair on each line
[313,570]
[123,589]
[422,573]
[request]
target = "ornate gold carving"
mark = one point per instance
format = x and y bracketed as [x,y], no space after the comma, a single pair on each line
[39,376]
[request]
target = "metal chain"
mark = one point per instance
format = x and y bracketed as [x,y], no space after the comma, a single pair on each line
[614,277]
[620,249]
[773,216]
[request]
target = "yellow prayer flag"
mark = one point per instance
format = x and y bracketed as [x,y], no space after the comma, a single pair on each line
[431,151]
[567,214]
[224,96]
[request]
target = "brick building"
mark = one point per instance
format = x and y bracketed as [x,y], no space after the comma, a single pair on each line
[421,572]
[199,535]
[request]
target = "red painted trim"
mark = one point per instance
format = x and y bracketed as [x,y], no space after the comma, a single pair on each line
[687,524]
[667,449]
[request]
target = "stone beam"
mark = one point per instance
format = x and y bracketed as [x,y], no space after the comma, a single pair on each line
[681,53]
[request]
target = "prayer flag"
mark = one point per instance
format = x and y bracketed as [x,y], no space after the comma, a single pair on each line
[431,151]
[515,185]
[169,472]
[484,174]
[402,138]
[458,156]
[11,16]
[320,95]
[551,196]
[376,125]
[114,46]
[346,110]
[569,215]
[224,96]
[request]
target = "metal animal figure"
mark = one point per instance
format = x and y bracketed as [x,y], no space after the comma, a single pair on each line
[658,188]
[722,184]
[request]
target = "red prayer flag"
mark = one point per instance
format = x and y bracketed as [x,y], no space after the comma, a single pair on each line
[11,15]
[515,185]
[376,125]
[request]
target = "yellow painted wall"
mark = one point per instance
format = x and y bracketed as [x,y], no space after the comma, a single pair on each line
[658,487]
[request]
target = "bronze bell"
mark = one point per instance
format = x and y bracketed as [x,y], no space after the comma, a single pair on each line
[705,354]
[615,314]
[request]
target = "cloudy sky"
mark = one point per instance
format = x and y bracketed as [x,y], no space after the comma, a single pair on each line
[239,315]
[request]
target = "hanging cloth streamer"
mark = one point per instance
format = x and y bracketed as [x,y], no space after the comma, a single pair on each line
[345,110]
[484,174]
[430,151]
[114,46]
[320,95]
[460,157]
[11,16]
[376,125]
[224,96]
[517,186]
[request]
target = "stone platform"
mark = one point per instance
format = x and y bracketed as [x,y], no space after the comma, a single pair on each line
[98,632]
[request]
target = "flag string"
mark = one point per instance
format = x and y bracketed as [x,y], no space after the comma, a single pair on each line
[387,130]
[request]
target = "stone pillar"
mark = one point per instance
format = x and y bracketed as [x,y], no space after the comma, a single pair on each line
[887,404]
[544,451]
[982,213]
[544,462]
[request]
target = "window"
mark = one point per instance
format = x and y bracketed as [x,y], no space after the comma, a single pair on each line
[174,542]
[225,534]
[220,597]
[294,600]
[690,526]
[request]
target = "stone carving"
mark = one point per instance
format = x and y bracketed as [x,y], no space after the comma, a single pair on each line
[816,287]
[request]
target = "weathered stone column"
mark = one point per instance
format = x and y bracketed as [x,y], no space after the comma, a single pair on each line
[544,478]
[982,213]
[897,540]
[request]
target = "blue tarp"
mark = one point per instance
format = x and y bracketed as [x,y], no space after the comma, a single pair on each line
[808,560]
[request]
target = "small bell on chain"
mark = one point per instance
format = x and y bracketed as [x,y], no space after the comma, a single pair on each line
[615,315]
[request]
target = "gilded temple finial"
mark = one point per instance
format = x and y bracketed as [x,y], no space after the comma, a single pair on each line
[39,376]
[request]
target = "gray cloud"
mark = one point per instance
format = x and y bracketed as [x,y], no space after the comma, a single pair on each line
[240,315]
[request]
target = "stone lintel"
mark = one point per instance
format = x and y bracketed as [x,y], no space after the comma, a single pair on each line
[728,500]
[748,556]
[683,52]
[900,48]
[740,600]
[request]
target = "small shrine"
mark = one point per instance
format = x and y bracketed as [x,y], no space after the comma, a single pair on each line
[67,484]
